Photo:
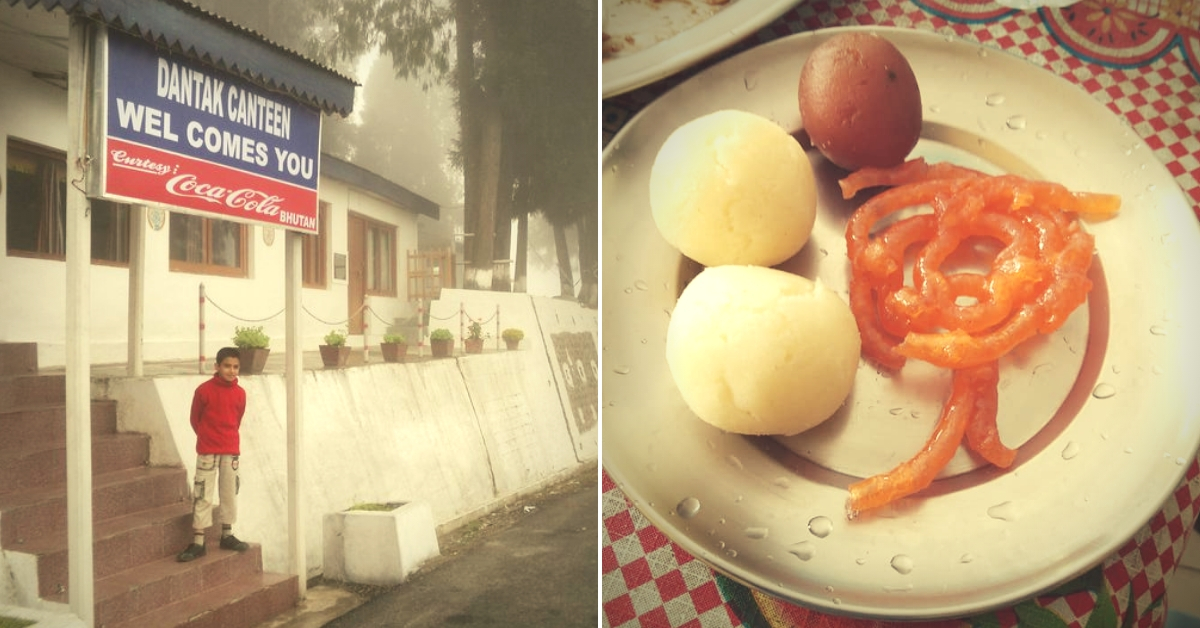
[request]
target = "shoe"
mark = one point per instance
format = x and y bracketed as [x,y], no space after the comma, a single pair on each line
[231,542]
[192,552]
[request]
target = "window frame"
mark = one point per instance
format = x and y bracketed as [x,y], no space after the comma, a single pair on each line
[392,232]
[122,210]
[207,267]
[318,246]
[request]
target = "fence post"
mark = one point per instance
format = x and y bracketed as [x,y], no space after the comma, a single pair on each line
[497,327]
[201,352]
[366,327]
[421,327]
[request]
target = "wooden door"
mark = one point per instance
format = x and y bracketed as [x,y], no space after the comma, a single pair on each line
[357,270]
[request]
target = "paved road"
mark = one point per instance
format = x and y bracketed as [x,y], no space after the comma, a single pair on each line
[540,569]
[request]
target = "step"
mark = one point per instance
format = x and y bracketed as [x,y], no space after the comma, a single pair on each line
[18,358]
[45,464]
[24,390]
[47,423]
[242,603]
[39,512]
[119,543]
[126,596]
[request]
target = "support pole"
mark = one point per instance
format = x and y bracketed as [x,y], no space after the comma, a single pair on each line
[134,362]
[81,573]
[200,351]
[294,372]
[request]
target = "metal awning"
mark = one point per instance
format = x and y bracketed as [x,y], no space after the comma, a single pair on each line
[347,172]
[183,28]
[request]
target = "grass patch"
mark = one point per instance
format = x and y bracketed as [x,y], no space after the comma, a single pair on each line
[13,622]
[373,507]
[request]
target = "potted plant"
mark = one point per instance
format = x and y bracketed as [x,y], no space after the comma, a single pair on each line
[254,346]
[335,352]
[512,337]
[394,347]
[441,342]
[473,343]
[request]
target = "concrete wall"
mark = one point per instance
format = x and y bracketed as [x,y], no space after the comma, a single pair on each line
[464,434]
[33,309]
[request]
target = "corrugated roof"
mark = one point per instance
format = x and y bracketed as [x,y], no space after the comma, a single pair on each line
[184,28]
[362,178]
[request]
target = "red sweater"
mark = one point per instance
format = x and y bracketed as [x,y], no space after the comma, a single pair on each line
[217,409]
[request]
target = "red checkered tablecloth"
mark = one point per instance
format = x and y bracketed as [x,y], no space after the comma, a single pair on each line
[1141,58]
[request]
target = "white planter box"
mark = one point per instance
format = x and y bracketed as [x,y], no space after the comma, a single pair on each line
[379,547]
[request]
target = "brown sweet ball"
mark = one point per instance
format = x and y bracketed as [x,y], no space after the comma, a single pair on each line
[860,102]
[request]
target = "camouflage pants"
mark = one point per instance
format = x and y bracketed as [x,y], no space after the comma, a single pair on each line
[219,472]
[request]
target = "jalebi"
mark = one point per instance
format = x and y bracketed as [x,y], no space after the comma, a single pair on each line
[961,320]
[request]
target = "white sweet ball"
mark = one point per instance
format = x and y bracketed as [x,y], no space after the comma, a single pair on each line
[755,350]
[733,187]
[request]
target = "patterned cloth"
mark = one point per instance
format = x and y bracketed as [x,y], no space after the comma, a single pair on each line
[1141,58]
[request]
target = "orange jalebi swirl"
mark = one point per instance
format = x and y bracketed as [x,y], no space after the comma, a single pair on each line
[959,319]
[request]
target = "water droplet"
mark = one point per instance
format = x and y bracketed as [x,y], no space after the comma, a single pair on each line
[750,80]
[1156,369]
[1129,450]
[1179,461]
[820,527]
[994,99]
[721,544]
[1015,123]
[1004,511]
[629,291]
[621,370]
[916,414]
[837,601]
[1103,391]
[860,561]
[1158,330]
[934,109]
[1103,436]
[1116,369]
[902,564]
[737,499]
[782,482]
[1041,135]
[1151,187]
[983,53]
[722,522]
[734,462]
[829,588]
[641,285]
[688,507]
[966,558]
[756,533]
[1043,368]
[896,411]
[803,550]
[1071,450]
[731,553]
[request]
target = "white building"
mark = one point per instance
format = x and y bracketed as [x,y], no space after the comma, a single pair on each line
[367,225]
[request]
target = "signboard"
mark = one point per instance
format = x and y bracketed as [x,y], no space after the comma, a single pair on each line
[207,143]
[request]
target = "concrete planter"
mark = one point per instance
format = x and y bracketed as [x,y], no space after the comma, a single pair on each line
[379,548]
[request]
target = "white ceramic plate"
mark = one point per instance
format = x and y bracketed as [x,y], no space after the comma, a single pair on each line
[1106,410]
[656,38]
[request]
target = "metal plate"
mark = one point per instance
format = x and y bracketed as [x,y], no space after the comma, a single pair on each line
[1103,409]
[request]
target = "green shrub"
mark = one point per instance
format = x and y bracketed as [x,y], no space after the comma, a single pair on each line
[335,338]
[441,334]
[250,338]
[512,333]
[394,339]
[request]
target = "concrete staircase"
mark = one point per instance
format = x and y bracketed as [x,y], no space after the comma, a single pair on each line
[141,514]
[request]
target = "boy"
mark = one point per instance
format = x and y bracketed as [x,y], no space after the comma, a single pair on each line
[217,409]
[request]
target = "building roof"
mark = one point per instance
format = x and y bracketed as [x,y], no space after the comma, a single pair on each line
[183,28]
[365,179]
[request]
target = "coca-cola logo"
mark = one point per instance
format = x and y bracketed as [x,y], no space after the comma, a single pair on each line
[244,199]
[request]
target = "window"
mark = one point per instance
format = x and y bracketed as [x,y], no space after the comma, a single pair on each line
[313,250]
[381,259]
[207,245]
[37,209]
